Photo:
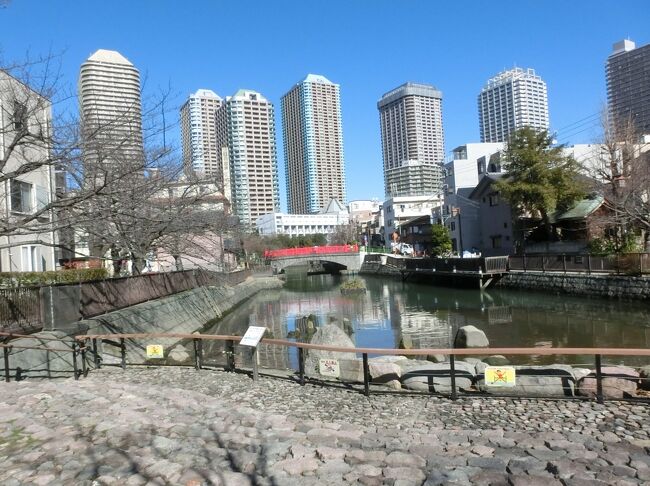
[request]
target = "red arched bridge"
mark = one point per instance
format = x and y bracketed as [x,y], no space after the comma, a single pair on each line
[317,259]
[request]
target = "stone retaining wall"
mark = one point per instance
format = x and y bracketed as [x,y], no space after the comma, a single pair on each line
[185,312]
[617,286]
[376,268]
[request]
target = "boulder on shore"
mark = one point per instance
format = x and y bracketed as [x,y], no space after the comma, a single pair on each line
[436,377]
[332,335]
[534,381]
[618,382]
[470,337]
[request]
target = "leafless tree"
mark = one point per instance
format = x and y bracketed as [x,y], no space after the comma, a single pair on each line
[127,201]
[621,170]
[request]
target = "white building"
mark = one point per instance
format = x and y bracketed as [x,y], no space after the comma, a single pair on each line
[398,210]
[246,143]
[25,116]
[199,134]
[467,164]
[412,139]
[111,111]
[511,100]
[326,222]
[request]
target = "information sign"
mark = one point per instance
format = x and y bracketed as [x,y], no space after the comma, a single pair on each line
[500,376]
[252,336]
[155,351]
[329,367]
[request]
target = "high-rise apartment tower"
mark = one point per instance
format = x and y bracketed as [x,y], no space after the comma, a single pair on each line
[628,85]
[511,100]
[111,112]
[199,135]
[247,153]
[313,145]
[412,140]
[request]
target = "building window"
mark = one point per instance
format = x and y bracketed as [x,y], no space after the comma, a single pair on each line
[494,199]
[505,225]
[496,241]
[20,116]
[21,196]
[452,226]
[29,256]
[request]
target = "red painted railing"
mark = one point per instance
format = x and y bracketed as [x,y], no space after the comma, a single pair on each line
[312,250]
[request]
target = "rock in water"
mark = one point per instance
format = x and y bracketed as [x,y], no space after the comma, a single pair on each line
[470,337]
[436,377]
[618,382]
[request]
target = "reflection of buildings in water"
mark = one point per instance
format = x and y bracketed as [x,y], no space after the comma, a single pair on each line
[501,314]
[425,330]
[268,314]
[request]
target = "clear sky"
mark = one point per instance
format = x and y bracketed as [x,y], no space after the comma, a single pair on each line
[366,46]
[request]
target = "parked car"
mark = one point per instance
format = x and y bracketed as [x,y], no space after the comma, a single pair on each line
[406,249]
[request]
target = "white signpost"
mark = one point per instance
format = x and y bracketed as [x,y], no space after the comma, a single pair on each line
[252,338]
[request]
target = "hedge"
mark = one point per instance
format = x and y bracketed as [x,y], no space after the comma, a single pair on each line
[36,279]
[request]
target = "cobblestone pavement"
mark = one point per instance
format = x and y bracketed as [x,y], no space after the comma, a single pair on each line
[181,426]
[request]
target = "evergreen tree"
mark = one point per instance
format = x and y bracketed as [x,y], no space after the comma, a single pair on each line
[440,240]
[541,178]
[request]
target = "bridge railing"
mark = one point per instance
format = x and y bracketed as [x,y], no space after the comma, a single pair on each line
[311,250]
[453,371]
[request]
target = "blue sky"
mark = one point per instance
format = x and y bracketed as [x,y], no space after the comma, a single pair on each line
[367,46]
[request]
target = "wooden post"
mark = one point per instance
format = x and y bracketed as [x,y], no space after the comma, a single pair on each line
[254,359]
[197,354]
[96,358]
[230,355]
[84,366]
[75,365]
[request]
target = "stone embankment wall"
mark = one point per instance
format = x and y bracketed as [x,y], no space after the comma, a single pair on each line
[376,268]
[185,312]
[617,286]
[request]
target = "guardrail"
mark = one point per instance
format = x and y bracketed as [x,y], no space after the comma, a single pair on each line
[627,264]
[119,341]
[311,250]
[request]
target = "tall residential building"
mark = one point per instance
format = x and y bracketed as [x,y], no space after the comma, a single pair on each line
[412,140]
[628,85]
[511,100]
[313,144]
[199,134]
[111,111]
[246,149]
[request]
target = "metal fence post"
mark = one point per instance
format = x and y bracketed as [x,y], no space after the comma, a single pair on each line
[366,376]
[640,263]
[5,352]
[543,265]
[589,264]
[452,371]
[230,355]
[123,353]
[84,366]
[197,353]
[524,262]
[301,366]
[96,359]
[564,262]
[599,380]
[254,360]
[75,365]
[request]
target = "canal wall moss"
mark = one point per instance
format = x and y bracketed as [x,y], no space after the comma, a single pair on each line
[614,286]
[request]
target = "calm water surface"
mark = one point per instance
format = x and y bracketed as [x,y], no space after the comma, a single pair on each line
[393,314]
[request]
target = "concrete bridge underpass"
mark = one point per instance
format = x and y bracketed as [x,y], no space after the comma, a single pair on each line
[317,264]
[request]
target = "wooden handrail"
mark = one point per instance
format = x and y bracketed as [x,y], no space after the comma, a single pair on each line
[28,336]
[387,351]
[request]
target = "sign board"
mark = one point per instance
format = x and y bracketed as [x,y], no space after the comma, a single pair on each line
[155,351]
[329,367]
[252,336]
[500,376]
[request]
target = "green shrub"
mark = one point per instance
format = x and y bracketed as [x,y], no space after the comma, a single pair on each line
[353,284]
[36,279]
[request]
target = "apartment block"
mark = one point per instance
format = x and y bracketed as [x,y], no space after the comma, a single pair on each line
[198,117]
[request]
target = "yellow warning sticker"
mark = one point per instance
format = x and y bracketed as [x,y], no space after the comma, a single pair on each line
[500,376]
[154,351]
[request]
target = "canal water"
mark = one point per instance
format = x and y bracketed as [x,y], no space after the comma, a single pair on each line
[393,314]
